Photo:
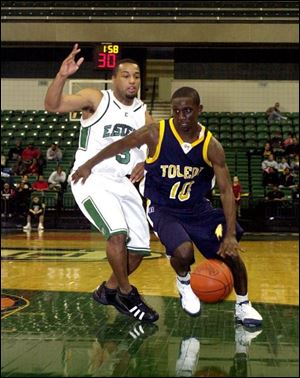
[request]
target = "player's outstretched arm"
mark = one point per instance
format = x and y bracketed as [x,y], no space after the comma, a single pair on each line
[55,101]
[145,135]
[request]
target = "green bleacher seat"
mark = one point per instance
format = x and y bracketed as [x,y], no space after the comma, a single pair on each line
[250,143]
[214,120]
[237,128]
[225,121]
[225,135]
[237,135]
[237,121]
[274,128]
[287,129]
[262,128]
[250,135]
[261,121]
[250,120]
[225,128]
[249,127]
[237,143]
[262,135]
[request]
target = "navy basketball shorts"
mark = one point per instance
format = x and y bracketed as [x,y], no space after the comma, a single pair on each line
[205,229]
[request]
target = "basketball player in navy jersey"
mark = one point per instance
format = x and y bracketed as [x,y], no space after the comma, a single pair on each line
[184,159]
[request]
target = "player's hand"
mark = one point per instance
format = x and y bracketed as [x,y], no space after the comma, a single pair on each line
[82,172]
[137,173]
[69,66]
[229,247]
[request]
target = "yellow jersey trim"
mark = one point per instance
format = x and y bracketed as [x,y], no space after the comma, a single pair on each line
[205,148]
[153,158]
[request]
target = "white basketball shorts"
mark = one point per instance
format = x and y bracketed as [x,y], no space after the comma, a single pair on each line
[114,206]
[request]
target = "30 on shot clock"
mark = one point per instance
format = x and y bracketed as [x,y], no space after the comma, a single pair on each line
[106,56]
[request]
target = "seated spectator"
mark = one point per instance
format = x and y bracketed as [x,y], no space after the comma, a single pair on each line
[237,191]
[270,171]
[7,200]
[288,141]
[287,180]
[54,153]
[36,212]
[40,184]
[57,179]
[15,152]
[273,113]
[275,194]
[293,148]
[267,150]
[283,165]
[29,160]
[295,164]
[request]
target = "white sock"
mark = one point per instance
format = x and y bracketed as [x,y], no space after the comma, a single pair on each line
[241,298]
[186,278]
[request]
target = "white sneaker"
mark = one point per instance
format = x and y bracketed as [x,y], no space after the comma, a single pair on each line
[186,363]
[189,301]
[247,315]
[27,227]
[40,227]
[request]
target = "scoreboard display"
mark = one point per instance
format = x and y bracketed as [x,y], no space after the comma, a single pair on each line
[106,56]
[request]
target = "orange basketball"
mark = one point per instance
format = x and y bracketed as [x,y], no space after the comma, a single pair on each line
[212,281]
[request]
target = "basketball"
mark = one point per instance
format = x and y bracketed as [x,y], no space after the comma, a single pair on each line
[212,281]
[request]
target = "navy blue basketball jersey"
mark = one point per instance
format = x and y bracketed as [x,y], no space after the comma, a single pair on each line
[179,175]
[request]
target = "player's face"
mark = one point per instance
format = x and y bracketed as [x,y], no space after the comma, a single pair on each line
[185,113]
[127,82]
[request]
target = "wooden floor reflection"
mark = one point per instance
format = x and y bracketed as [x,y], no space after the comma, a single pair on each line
[52,327]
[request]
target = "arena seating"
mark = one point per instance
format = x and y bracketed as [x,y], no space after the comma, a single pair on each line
[241,134]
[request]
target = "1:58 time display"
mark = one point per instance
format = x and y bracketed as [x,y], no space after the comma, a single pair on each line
[106,56]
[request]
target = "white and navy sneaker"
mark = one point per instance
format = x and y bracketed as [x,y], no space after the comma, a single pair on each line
[247,315]
[244,336]
[189,300]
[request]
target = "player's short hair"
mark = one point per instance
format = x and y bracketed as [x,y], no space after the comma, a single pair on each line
[187,92]
[122,61]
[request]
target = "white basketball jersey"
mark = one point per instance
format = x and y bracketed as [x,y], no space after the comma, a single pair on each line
[111,121]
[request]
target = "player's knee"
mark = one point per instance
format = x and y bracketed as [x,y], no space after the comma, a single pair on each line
[118,239]
[185,253]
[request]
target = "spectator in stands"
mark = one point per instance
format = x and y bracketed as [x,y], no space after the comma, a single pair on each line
[273,113]
[54,153]
[283,165]
[277,143]
[267,150]
[270,171]
[287,179]
[29,160]
[293,148]
[40,184]
[275,194]
[288,141]
[15,152]
[295,164]
[36,211]
[23,191]
[7,200]
[237,191]
[57,179]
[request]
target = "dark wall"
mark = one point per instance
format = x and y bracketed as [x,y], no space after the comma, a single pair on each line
[237,63]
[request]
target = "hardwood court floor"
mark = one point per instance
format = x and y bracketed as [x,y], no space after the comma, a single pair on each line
[52,327]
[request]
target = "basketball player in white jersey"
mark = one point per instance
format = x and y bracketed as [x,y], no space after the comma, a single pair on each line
[108,198]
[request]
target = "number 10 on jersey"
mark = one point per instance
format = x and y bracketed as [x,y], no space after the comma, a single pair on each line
[106,56]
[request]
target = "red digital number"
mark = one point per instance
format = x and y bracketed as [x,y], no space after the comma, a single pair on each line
[106,60]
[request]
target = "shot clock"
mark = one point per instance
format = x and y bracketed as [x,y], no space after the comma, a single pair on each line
[106,56]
